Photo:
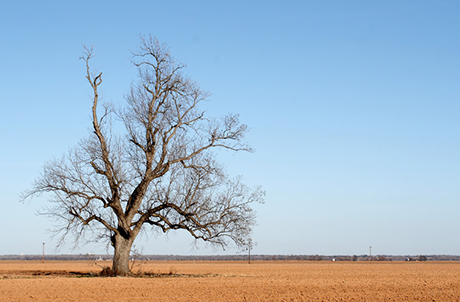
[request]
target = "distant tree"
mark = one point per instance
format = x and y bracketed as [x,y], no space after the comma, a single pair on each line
[161,172]
[315,257]
[422,258]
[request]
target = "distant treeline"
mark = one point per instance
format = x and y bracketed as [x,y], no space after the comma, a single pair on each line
[101,257]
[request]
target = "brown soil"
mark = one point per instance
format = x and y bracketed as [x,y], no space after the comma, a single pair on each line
[232,281]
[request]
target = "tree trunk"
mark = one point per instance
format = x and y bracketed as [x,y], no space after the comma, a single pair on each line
[122,248]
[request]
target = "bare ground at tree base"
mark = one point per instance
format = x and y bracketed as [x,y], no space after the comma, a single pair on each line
[232,281]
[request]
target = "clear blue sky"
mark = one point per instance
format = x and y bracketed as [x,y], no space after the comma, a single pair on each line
[354,109]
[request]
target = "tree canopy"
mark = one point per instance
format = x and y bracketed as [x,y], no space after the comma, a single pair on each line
[160,172]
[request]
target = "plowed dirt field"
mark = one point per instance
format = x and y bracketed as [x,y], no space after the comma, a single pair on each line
[233,281]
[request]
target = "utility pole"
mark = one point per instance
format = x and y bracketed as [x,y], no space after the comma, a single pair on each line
[249,250]
[249,245]
[43,257]
[370,253]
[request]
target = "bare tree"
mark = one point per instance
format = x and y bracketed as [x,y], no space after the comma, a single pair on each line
[161,172]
